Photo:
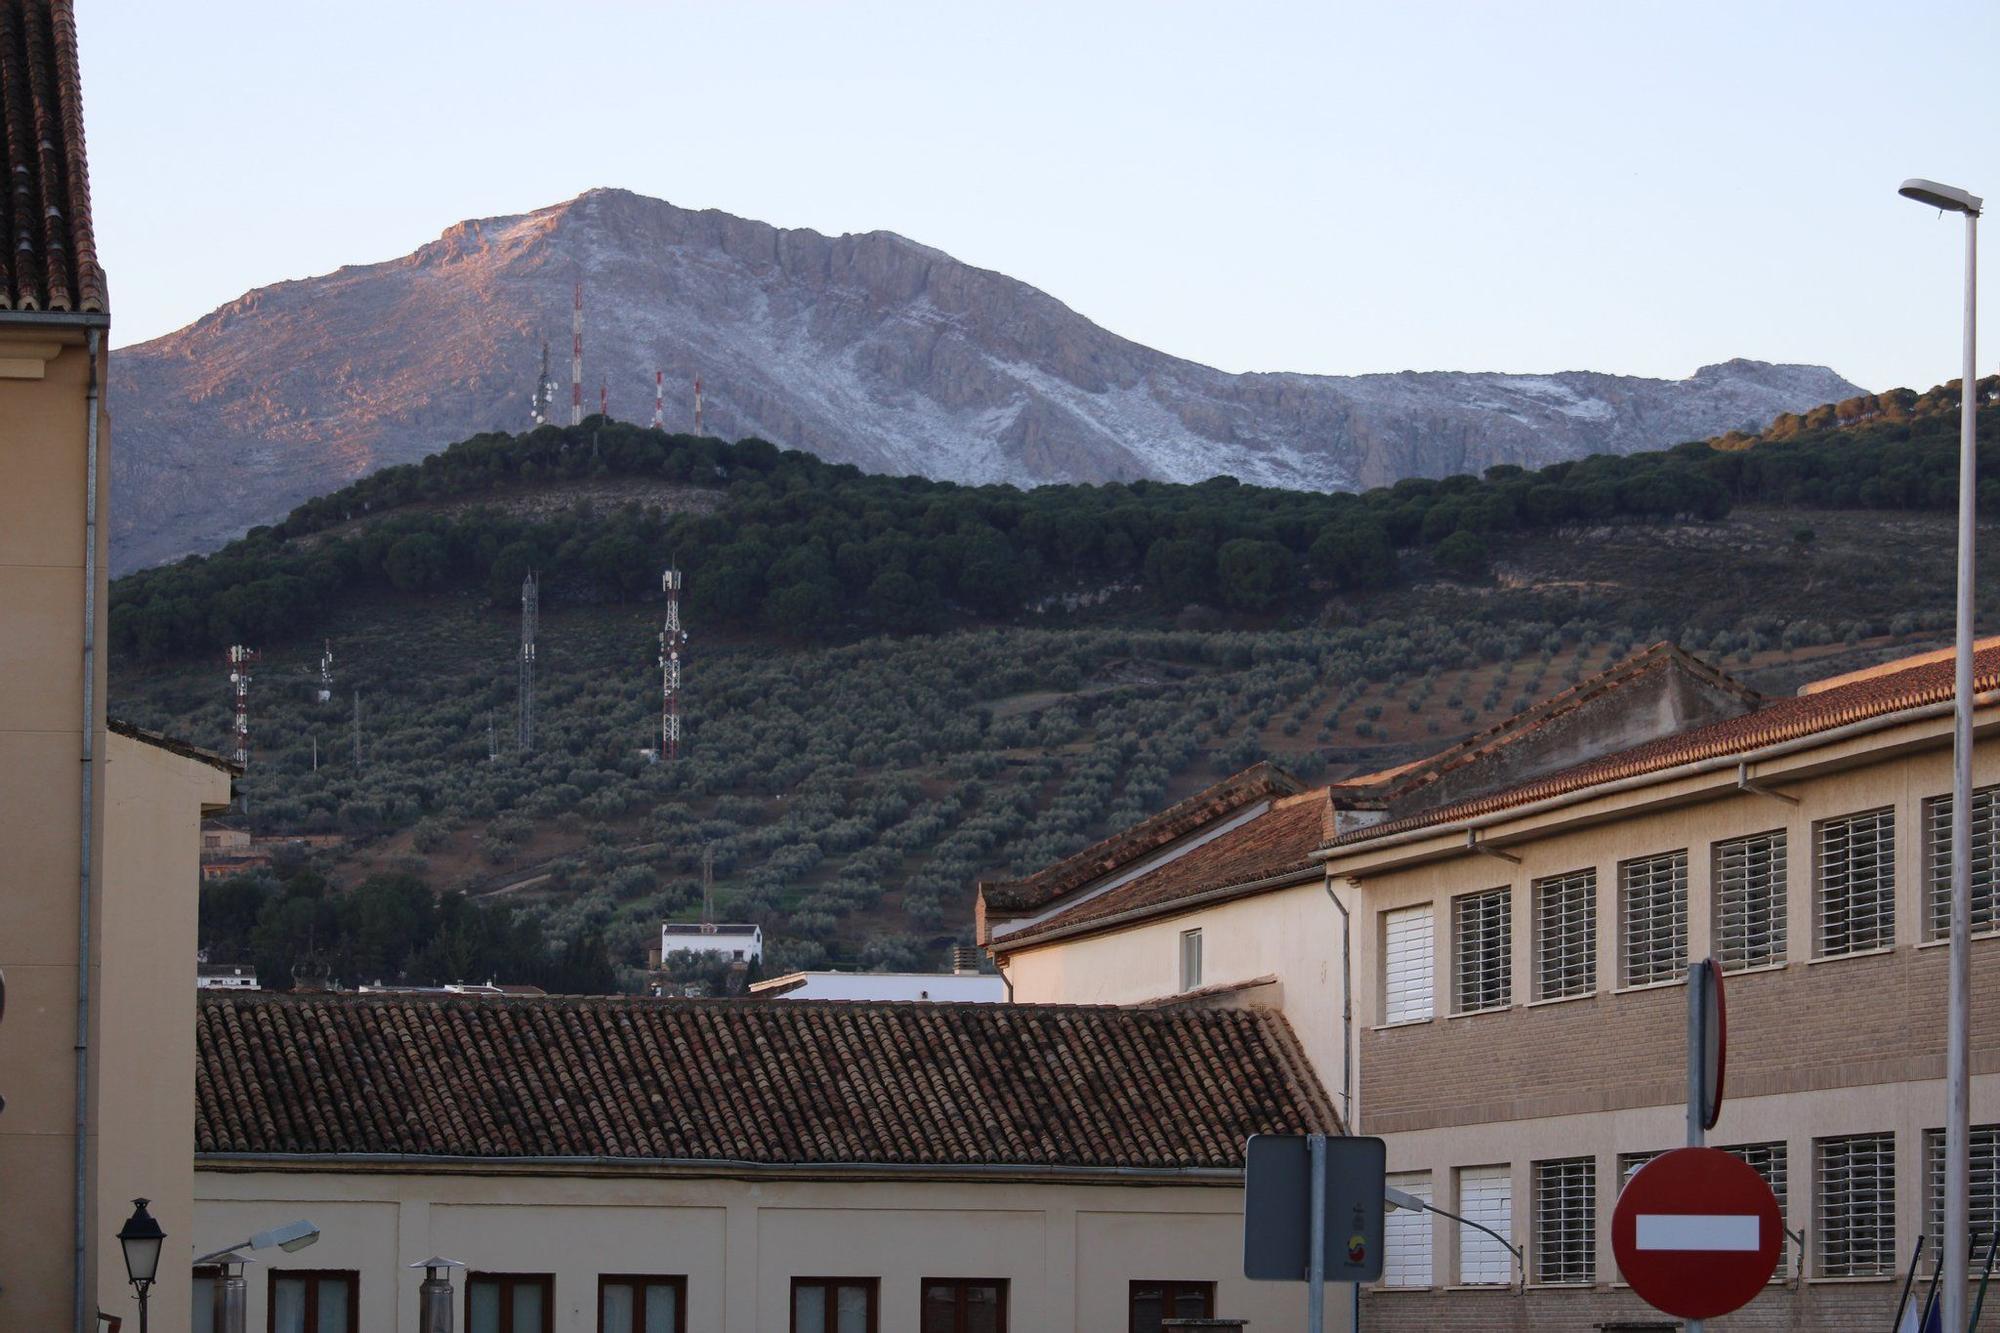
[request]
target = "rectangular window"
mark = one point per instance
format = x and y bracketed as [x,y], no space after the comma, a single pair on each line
[1768,1160]
[631,1303]
[1482,932]
[1856,873]
[1856,1211]
[1566,1221]
[1937,865]
[1486,1196]
[1152,1302]
[1653,919]
[1406,964]
[834,1304]
[964,1305]
[1406,1241]
[314,1300]
[509,1302]
[1190,959]
[1749,892]
[1984,1199]
[1566,935]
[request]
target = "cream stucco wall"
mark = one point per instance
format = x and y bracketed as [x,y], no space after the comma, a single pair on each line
[1067,1251]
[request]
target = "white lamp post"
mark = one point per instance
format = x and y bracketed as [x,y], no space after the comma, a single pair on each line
[1958,1065]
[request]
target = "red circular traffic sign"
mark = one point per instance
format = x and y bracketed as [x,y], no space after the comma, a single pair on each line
[1697,1232]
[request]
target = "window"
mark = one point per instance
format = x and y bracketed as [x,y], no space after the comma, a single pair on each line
[1486,1196]
[1857,883]
[314,1301]
[1937,863]
[1566,1220]
[1749,892]
[1856,1182]
[1629,1164]
[1566,935]
[1406,964]
[202,1319]
[1984,1199]
[1406,1241]
[1152,1302]
[1190,959]
[509,1302]
[834,1304]
[964,1305]
[1653,925]
[1481,942]
[638,1304]
[1769,1161]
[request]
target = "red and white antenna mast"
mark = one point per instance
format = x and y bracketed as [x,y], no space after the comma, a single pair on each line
[576,360]
[659,400]
[240,660]
[672,639]
[697,404]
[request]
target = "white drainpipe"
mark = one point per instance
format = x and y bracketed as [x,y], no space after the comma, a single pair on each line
[84,1307]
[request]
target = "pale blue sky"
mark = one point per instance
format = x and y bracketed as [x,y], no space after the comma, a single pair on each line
[1333,187]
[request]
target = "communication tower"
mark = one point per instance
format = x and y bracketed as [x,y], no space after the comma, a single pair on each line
[576,360]
[325,691]
[697,404]
[530,616]
[603,401]
[672,639]
[659,400]
[240,661]
[544,400]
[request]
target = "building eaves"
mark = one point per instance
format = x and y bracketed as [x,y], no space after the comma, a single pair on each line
[158,740]
[48,254]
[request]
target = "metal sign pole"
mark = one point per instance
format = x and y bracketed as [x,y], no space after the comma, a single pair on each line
[1316,1254]
[1697,988]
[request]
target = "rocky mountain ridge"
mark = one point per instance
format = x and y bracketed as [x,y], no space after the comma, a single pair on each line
[871,349]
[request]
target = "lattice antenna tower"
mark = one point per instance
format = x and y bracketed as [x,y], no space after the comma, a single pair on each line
[672,640]
[325,691]
[531,616]
[241,659]
[576,359]
[544,400]
[697,404]
[659,400]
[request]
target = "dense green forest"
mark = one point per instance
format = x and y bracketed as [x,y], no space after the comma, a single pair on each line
[806,549]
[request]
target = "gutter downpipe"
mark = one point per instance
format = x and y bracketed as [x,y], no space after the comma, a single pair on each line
[1347,1054]
[86,866]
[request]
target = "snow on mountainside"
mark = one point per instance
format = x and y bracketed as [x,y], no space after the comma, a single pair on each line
[868,349]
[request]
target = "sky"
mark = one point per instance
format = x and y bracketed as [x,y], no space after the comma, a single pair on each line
[1331,187]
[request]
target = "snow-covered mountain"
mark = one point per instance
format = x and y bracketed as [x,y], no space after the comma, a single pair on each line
[868,349]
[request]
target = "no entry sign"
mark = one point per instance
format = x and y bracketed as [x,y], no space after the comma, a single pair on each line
[1697,1233]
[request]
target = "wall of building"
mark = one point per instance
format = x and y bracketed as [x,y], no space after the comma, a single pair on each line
[42,448]
[145,1038]
[1068,1252]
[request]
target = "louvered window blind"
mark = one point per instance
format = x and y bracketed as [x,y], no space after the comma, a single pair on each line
[1652,900]
[1937,863]
[1482,945]
[1406,1253]
[1566,935]
[1486,1196]
[1566,1220]
[1406,964]
[1856,1209]
[1856,908]
[1749,891]
[1985,1197]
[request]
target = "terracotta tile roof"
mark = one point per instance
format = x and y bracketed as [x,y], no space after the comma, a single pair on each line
[1256,783]
[1869,696]
[1281,840]
[48,254]
[802,1083]
[184,749]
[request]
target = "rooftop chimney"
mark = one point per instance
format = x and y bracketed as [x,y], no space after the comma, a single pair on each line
[965,960]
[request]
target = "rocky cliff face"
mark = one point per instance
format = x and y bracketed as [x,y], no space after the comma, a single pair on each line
[867,349]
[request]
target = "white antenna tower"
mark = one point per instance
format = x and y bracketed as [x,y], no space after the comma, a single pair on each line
[524,737]
[326,673]
[543,402]
[672,639]
[576,360]
[240,661]
[697,404]
[659,400]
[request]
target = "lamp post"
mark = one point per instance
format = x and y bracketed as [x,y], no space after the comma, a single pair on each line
[1958,1033]
[140,1238]
[434,1296]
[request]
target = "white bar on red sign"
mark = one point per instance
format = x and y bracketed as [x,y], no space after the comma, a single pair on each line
[1697,1231]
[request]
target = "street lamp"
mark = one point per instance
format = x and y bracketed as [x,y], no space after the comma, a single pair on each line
[1958,1030]
[141,1239]
[230,1293]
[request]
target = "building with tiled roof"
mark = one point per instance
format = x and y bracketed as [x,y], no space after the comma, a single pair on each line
[49,262]
[1488,972]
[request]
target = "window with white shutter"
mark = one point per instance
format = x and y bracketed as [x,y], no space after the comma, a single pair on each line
[1190,959]
[1407,949]
[1486,1196]
[1937,864]
[1566,935]
[1749,891]
[1855,907]
[1856,1205]
[1406,1243]
[1768,1160]
[1566,1221]
[1653,921]
[1482,932]
[1985,1196]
